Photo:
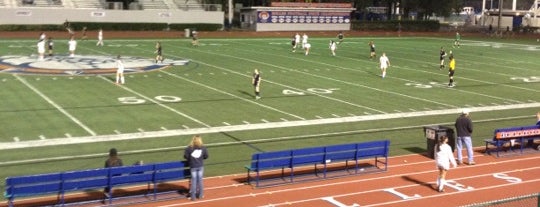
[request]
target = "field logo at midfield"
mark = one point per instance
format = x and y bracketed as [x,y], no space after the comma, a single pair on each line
[80,65]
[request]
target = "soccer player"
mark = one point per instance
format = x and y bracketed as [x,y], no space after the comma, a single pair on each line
[41,50]
[307,46]
[296,41]
[195,38]
[119,70]
[451,68]
[304,40]
[84,36]
[72,46]
[42,36]
[372,53]
[159,56]
[256,81]
[340,37]
[293,44]
[457,40]
[442,55]
[333,47]
[100,38]
[50,46]
[384,63]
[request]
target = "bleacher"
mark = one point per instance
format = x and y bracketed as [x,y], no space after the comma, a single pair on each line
[40,3]
[87,4]
[189,5]
[153,4]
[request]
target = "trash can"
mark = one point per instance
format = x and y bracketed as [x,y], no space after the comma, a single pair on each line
[432,135]
[187,33]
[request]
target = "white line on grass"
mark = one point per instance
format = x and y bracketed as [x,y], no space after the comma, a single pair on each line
[232,95]
[55,105]
[158,103]
[256,126]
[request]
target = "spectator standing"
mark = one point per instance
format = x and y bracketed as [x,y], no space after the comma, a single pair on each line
[195,154]
[84,35]
[443,157]
[538,118]
[113,161]
[464,128]
[384,63]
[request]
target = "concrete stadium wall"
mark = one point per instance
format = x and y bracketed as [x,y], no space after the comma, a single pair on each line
[59,15]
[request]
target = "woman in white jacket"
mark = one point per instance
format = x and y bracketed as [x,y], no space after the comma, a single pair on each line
[443,157]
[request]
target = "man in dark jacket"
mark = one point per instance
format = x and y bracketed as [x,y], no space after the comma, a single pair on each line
[464,128]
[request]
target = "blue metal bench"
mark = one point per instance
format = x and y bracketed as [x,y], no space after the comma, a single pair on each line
[317,156]
[503,136]
[71,181]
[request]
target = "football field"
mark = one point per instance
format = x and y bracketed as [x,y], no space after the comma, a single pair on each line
[65,113]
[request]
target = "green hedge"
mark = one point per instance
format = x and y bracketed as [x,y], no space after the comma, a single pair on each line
[408,25]
[113,27]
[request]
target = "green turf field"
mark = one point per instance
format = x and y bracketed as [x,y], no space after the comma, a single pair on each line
[66,122]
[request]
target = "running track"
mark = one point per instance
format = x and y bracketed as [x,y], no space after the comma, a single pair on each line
[409,181]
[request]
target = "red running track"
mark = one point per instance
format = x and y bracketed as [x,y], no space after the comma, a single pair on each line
[409,181]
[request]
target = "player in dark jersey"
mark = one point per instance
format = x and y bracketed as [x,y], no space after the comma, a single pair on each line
[50,46]
[293,44]
[159,54]
[372,53]
[442,55]
[340,37]
[256,81]
[84,35]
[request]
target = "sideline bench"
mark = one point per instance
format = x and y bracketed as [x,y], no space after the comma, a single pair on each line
[316,156]
[70,181]
[504,136]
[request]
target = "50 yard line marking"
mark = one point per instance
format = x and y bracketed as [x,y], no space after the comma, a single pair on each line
[58,107]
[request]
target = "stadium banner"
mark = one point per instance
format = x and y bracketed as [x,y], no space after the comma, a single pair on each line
[311,5]
[303,17]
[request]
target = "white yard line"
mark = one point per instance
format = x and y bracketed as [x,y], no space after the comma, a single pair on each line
[253,126]
[55,105]
[158,103]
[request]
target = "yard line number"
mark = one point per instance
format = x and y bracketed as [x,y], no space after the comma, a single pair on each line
[136,100]
[311,90]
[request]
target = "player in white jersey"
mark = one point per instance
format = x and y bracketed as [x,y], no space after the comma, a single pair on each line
[72,46]
[41,49]
[307,46]
[119,70]
[384,63]
[100,38]
[296,41]
[304,40]
[333,47]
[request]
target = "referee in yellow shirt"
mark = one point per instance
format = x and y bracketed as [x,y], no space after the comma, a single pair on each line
[451,68]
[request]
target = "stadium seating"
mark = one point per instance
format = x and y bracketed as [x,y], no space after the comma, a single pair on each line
[504,136]
[87,4]
[324,155]
[64,182]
